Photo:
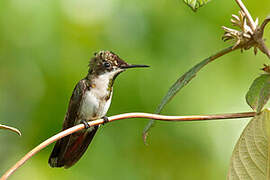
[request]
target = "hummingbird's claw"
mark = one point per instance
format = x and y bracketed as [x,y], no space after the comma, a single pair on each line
[86,125]
[106,119]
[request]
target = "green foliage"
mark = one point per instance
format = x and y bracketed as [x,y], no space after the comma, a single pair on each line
[259,92]
[195,4]
[10,129]
[250,158]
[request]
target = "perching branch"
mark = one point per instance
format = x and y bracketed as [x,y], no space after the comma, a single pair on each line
[119,117]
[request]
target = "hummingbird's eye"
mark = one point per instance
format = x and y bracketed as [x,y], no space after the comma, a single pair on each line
[107,65]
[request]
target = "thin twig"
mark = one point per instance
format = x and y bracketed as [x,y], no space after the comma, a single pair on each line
[11,129]
[118,117]
[249,18]
[264,23]
[259,37]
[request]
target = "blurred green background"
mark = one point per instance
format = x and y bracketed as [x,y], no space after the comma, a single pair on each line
[45,47]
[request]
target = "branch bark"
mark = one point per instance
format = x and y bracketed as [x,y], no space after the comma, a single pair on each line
[119,117]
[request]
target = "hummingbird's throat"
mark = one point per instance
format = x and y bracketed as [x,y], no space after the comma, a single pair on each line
[104,82]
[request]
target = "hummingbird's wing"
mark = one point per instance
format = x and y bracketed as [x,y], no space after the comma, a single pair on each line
[68,150]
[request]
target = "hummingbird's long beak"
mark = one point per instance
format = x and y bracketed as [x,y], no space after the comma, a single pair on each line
[133,66]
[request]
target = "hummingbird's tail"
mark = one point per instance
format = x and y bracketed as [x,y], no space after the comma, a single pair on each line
[68,150]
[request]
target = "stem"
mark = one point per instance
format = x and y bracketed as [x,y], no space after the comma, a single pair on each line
[249,18]
[11,129]
[259,37]
[119,117]
[264,23]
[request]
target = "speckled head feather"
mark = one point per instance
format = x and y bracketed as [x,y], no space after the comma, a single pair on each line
[105,61]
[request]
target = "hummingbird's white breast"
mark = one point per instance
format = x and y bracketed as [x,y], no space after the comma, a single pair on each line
[95,101]
[94,107]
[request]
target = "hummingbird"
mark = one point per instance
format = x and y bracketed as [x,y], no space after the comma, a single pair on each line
[90,100]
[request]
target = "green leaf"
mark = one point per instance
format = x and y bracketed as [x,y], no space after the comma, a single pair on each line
[259,92]
[250,157]
[180,83]
[195,4]
[11,129]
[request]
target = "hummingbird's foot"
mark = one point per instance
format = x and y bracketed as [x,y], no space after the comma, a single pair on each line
[86,125]
[106,120]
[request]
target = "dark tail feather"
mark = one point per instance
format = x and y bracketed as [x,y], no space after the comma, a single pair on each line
[70,149]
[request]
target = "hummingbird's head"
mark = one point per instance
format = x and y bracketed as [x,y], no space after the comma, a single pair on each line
[108,62]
